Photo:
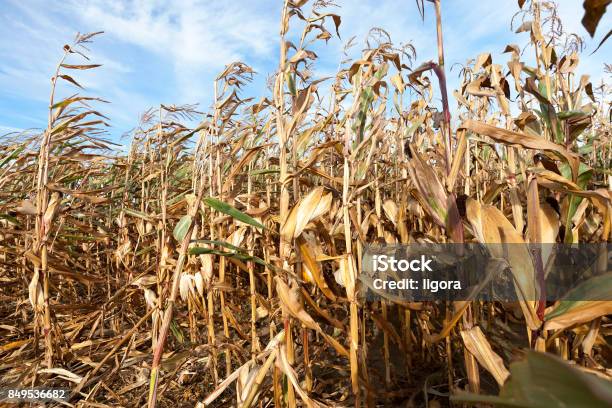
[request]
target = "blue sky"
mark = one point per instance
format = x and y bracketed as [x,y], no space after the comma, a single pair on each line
[169,51]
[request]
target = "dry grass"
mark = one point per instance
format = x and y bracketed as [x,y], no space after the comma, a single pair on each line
[219,264]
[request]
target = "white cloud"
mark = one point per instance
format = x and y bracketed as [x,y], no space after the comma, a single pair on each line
[152,51]
[195,38]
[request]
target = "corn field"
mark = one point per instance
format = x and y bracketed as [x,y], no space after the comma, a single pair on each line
[218,264]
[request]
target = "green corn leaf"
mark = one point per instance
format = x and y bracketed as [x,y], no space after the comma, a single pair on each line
[595,288]
[227,209]
[181,228]
[543,380]
[235,255]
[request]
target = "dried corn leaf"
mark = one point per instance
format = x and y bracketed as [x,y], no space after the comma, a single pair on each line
[522,139]
[477,344]
[311,267]
[290,298]
[309,208]
[491,227]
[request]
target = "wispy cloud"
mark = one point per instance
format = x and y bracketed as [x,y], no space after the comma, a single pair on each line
[195,38]
[152,52]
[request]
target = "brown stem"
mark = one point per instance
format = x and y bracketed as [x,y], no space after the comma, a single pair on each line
[159,349]
[439,70]
[42,202]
